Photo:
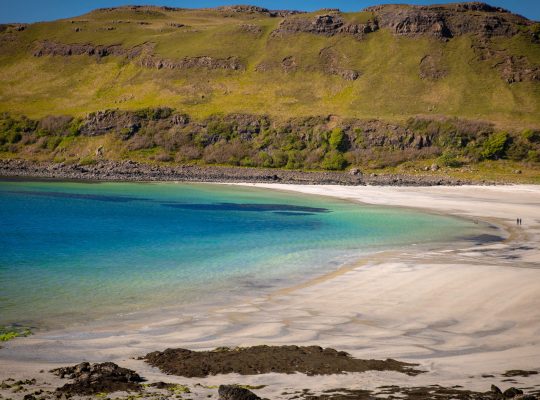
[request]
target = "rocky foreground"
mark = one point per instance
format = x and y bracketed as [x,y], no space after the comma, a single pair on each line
[108,380]
[133,171]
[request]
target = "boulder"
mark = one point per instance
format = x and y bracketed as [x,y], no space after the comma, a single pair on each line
[232,392]
[512,392]
[97,378]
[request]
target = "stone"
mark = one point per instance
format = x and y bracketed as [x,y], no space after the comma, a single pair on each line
[231,392]
[495,390]
[512,392]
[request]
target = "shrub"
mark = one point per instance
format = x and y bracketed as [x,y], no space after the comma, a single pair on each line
[517,149]
[264,159]
[55,124]
[188,153]
[294,160]
[220,129]
[154,113]
[163,157]
[531,136]
[334,160]
[338,140]
[494,146]
[449,159]
[533,156]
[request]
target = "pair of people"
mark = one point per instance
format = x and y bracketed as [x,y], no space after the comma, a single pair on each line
[518,221]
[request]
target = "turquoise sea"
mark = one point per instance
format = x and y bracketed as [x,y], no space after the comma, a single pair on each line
[76,252]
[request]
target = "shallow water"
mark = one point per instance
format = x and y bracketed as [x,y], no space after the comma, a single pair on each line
[74,252]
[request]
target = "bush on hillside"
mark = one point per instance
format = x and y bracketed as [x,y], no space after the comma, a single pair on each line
[494,147]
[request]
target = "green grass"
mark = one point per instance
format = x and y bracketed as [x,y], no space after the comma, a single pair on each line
[389,86]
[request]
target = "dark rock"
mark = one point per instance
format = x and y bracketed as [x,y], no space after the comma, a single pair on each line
[232,392]
[98,378]
[496,391]
[519,372]
[310,360]
[512,392]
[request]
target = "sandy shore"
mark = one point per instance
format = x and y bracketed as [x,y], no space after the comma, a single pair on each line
[459,312]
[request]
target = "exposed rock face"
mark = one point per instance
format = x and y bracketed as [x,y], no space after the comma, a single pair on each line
[251,29]
[331,61]
[518,69]
[101,122]
[48,48]
[230,63]
[446,21]
[431,67]
[246,9]
[147,60]
[231,392]
[288,64]
[511,68]
[98,378]
[326,24]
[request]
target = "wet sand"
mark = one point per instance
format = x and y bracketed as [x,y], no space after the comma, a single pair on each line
[462,313]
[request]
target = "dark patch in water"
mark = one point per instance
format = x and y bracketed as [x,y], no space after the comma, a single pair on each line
[293,213]
[79,196]
[248,207]
[485,238]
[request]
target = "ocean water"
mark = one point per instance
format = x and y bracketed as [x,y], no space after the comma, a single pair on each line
[77,252]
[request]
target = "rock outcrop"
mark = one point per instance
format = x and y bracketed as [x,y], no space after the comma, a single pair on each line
[101,122]
[447,21]
[511,68]
[325,24]
[431,67]
[204,62]
[310,360]
[232,392]
[332,65]
[90,379]
[142,52]
[48,48]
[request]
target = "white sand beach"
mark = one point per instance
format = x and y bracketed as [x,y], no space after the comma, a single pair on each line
[458,312]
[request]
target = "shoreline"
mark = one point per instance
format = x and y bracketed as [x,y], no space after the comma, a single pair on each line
[122,171]
[319,314]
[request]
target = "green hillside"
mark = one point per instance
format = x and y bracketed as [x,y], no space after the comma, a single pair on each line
[391,63]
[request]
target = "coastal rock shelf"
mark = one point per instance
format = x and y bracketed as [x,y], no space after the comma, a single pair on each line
[310,360]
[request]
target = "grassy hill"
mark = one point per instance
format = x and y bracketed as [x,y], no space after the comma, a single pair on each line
[389,63]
